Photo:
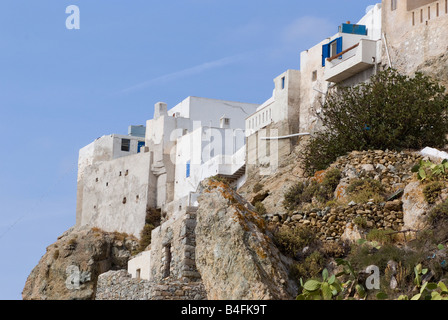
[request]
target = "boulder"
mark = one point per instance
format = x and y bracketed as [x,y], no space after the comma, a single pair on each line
[235,255]
[415,206]
[70,268]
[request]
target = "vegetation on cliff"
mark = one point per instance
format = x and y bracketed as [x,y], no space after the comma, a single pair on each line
[391,111]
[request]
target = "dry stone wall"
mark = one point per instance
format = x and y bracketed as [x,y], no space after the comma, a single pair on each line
[119,285]
[391,168]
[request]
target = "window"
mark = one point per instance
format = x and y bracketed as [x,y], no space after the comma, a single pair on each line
[437,9]
[137,274]
[314,76]
[140,145]
[394,5]
[166,261]
[413,18]
[188,169]
[429,13]
[124,200]
[125,145]
[283,83]
[331,49]
[421,15]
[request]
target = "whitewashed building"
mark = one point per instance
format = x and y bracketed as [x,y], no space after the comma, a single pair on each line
[160,165]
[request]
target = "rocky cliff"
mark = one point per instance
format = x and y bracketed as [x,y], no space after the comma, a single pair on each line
[234,251]
[239,253]
[70,268]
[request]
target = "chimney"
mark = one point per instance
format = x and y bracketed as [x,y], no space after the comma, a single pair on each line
[160,109]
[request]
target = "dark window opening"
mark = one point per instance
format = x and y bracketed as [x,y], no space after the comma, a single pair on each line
[314,76]
[283,83]
[124,200]
[167,261]
[125,145]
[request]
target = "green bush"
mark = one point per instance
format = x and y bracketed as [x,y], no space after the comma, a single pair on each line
[291,241]
[380,236]
[310,268]
[432,191]
[257,187]
[438,214]
[331,179]
[152,221]
[261,209]
[360,222]
[391,111]
[363,190]
[304,192]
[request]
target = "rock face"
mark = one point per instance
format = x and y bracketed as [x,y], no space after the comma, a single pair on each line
[234,253]
[415,207]
[70,267]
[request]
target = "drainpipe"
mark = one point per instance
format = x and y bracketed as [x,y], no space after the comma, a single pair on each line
[387,49]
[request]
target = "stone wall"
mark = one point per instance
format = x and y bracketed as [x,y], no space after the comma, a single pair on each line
[421,37]
[118,285]
[329,224]
[391,168]
[173,248]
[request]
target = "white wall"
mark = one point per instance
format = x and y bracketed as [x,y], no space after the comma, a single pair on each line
[141,261]
[107,183]
[208,150]
[209,111]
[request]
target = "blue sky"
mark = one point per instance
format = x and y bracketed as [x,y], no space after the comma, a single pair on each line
[60,89]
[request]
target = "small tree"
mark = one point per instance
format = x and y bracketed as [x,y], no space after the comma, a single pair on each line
[391,111]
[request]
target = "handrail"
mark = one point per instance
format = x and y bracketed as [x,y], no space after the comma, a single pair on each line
[343,52]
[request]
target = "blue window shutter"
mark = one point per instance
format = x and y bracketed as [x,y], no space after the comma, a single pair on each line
[325,53]
[339,46]
[188,169]
[140,145]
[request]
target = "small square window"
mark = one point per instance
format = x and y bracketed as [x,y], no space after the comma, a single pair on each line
[125,145]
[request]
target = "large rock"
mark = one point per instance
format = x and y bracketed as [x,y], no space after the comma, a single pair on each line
[415,207]
[70,268]
[234,253]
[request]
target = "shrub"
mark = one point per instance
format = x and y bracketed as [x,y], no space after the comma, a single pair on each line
[261,209]
[292,241]
[438,214]
[363,190]
[391,111]
[331,179]
[152,221]
[257,187]
[363,256]
[360,222]
[304,192]
[432,191]
[145,237]
[310,268]
[380,236]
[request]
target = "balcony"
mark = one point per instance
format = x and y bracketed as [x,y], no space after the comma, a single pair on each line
[351,61]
